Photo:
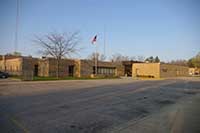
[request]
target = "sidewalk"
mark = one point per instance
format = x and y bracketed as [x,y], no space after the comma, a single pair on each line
[179,118]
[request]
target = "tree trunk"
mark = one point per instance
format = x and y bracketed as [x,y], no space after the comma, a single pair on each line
[58,71]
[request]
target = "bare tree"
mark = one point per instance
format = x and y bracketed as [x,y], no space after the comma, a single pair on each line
[180,62]
[101,57]
[15,54]
[133,58]
[118,58]
[59,45]
[140,58]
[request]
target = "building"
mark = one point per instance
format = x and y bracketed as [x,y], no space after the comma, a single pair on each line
[194,71]
[47,67]
[77,68]
[27,67]
[86,68]
[158,70]
[17,65]
[128,67]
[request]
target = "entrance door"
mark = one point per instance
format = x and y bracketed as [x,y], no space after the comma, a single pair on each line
[71,70]
[128,70]
[136,72]
[35,70]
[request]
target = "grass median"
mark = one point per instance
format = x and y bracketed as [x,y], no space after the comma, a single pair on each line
[70,78]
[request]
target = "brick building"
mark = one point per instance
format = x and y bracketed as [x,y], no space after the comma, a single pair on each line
[194,71]
[47,67]
[158,70]
[17,65]
[128,67]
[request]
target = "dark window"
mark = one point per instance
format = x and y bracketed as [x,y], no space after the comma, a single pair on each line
[93,70]
[35,70]
[106,70]
[164,69]
[71,70]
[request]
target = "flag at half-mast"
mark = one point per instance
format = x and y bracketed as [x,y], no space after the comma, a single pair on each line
[94,40]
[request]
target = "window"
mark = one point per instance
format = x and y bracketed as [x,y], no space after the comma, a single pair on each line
[106,70]
[164,69]
[71,70]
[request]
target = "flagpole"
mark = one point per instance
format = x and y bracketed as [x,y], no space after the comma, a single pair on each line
[94,41]
[96,61]
[104,32]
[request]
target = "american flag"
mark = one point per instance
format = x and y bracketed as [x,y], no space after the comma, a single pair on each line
[94,39]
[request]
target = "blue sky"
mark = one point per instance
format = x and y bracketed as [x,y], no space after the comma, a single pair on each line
[167,28]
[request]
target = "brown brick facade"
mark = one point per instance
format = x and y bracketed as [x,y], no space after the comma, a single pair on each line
[13,66]
[158,70]
[194,71]
[167,70]
[47,67]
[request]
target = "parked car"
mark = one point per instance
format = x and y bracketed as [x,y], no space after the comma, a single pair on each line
[3,75]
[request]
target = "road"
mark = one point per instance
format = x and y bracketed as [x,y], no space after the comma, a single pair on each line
[89,106]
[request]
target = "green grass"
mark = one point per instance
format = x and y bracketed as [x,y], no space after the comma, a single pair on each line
[15,77]
[195,76]
[69,78]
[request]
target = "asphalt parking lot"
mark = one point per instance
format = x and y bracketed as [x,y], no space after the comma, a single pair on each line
[89,106]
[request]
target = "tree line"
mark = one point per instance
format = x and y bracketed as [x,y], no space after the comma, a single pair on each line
[194,61]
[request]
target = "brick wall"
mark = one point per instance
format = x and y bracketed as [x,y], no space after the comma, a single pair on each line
[146,70]
[63,68]
[48,67]
[159,70]
[12,66]
[43,67]
[86,67]
[168,70]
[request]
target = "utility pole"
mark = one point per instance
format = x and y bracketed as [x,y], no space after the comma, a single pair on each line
[104,41]
[16,28]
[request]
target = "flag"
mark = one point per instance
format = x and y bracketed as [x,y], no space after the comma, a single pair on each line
[94,39]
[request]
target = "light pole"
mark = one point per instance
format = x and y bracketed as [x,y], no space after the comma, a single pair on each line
[16,27]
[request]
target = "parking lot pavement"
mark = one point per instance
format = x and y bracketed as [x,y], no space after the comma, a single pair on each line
[98,105]
[182,117]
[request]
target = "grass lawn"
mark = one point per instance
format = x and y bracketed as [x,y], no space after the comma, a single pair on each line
[69,78]
[15,77]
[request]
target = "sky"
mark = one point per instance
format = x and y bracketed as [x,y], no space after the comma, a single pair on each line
[169,29]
